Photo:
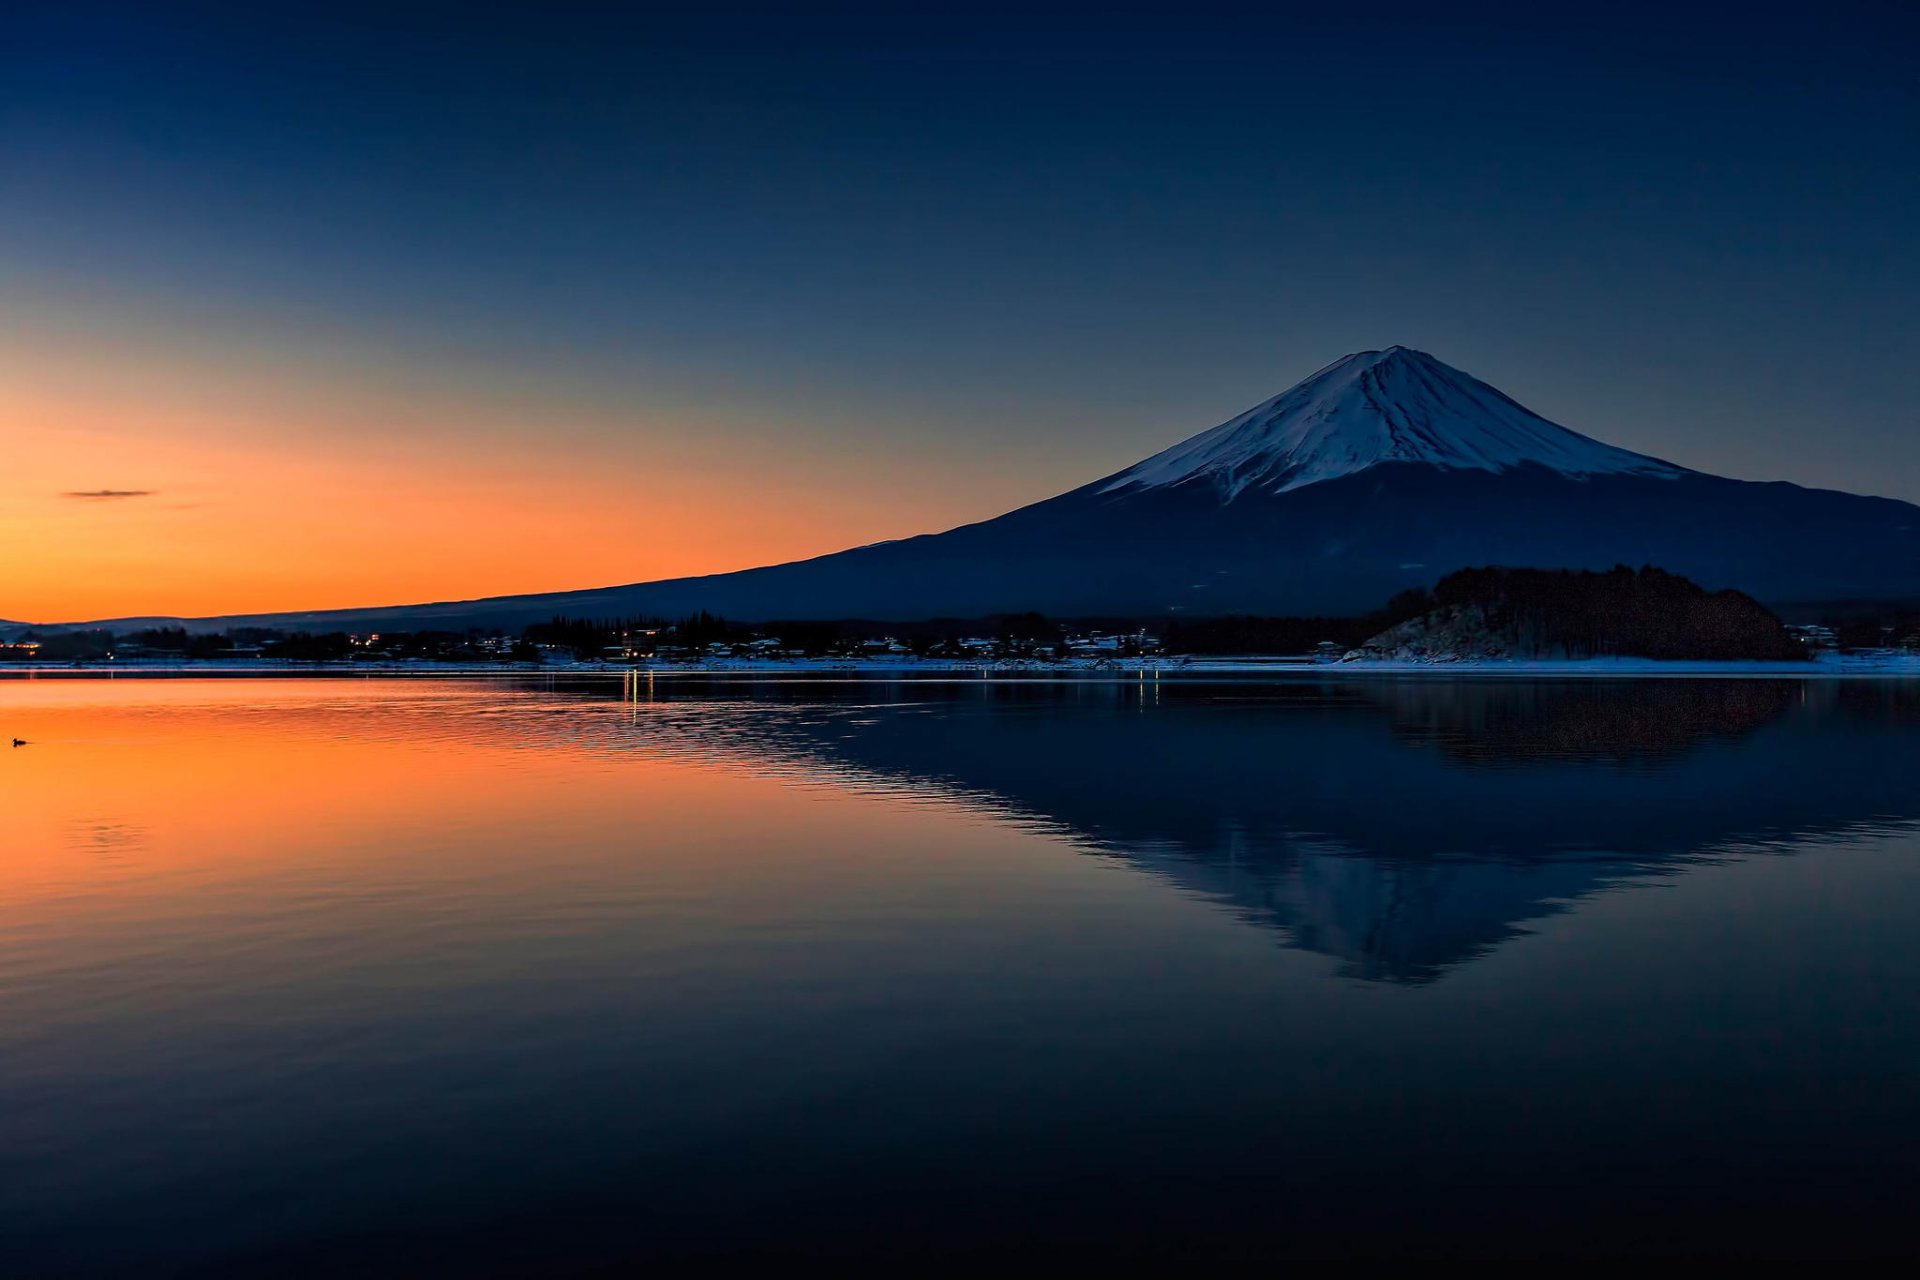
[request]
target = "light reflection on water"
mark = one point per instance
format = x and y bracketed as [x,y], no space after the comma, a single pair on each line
[460,975]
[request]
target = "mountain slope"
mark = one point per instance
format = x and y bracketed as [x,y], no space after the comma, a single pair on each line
[1385,470]
[1374,407]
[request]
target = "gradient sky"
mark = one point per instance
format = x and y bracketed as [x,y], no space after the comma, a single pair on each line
[362,306]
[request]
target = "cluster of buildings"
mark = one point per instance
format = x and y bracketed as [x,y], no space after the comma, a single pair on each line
[657,644]
[1815,636]
[631,651]
[651,646]
[1092,644]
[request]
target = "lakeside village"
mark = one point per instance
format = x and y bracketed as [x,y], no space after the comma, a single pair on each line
[702,641]
[710,644]
[1491,615]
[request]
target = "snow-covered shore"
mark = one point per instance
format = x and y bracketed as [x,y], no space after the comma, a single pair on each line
[1824,666]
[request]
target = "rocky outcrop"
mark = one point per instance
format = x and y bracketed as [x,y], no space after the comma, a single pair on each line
[1448,634]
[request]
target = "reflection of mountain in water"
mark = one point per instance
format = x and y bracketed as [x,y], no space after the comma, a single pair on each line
[1401,826]
[1593,720]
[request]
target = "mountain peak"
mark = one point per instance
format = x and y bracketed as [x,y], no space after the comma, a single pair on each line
[1374,407]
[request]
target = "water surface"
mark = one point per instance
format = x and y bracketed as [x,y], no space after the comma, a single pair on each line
[479,976]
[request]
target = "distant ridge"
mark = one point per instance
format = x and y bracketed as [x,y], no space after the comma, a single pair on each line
[1384,470]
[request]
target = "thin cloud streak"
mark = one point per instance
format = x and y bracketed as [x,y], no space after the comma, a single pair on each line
[96,495]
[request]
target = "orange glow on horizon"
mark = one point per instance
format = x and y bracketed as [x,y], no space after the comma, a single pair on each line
[218,532]
[275,487]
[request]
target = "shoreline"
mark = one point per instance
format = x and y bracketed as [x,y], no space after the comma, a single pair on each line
[1825,666]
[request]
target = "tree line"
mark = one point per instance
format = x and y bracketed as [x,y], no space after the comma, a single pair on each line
[1622,612]
[1647,612]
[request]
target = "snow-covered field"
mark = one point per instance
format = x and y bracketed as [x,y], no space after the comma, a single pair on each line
[1829,665]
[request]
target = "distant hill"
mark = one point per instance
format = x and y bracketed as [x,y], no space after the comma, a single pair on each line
[1378,473]
[1648,613]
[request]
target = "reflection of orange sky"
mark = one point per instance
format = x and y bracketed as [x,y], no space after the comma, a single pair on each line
[150,792]
[295,487]
[258,855]
[127,781]
[252,855]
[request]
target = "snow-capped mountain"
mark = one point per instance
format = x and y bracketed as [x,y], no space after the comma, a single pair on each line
[1373,407]
[1384,470]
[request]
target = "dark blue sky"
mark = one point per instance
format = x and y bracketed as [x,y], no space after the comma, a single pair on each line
[986,250]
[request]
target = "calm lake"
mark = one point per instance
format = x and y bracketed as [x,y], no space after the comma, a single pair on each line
[481,976]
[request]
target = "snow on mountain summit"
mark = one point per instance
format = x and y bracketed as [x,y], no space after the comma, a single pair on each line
[1372,407]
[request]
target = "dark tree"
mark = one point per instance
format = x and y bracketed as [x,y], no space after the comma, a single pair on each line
[1644,613]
